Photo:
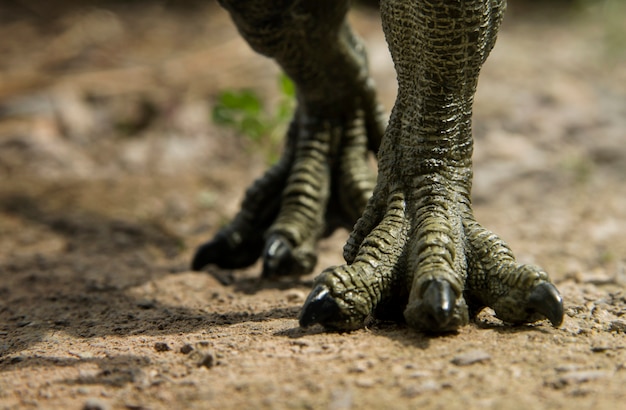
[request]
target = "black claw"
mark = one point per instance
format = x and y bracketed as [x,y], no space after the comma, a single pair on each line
[546,300]
[206,254]
[277,258]
[439,300]
[221,252]
[319,307]
[281,259]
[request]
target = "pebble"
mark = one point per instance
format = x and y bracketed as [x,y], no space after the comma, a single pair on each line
[95,404]
[418,374]
[146,304]
[582,376]
[161,347]
[359,367]
[618,325]
[365,382]
[301,342]
[207,360]
[295,295]
[186,348]
[471,357]
[424,387]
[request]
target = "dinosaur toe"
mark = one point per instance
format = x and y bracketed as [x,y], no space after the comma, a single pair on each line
[319,307]
[546,300]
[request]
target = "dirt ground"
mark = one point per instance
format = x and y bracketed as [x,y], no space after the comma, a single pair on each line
[112,172]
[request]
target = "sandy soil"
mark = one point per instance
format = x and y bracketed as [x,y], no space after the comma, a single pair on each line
[112,172]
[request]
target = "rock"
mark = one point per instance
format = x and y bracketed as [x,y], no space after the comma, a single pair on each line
[146,304]
[471,357]
[161,347]
[95,404]
[186,348]
[295,295]
[365,382]
[580,376]
[618,325]
[424,387]
[207,360]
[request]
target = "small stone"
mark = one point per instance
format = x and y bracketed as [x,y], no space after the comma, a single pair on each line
[601,348]
[618,325]
[208,361]
[161,347]
[295,295]
[577,377]
[359,367]
[16,359]
[566,368]
[301,342]
[471,357]
[424,387]
[186,349]
[146,304]
[95,404]
[418,374]
[365,382]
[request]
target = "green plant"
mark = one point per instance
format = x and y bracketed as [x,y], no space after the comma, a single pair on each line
[245,113]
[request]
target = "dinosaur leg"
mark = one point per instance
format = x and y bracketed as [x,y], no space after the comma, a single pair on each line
[418,249]
[322,180]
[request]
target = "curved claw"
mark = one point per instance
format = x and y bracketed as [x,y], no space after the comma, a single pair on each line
[277,258]
[319,307]
[435,311]
[220,252]
[546,300]
[206,254]
[281,259]
[439,300]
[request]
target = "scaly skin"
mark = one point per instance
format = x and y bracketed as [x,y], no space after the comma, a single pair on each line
[322,180]
[417,248]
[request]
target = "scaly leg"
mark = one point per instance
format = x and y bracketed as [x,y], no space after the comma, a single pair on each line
[418,249]
[322,180]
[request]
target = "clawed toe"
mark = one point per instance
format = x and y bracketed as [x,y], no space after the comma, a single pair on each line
[439,309]
[223,254]
[319,307]
[439,301]
[207,253]
[527,304]
[280,258]
[546,300]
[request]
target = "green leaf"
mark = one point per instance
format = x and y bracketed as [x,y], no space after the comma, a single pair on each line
[244,100]
[223,115]
[253,128]
[286,86]
[284,111]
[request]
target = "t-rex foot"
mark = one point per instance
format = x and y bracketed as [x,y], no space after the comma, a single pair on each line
[418,249]
[322,181]
[436,264]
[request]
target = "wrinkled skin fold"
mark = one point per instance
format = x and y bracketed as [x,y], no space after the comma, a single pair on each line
[416,252]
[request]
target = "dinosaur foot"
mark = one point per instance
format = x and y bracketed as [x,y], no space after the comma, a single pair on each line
[322,181]
[433,263]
